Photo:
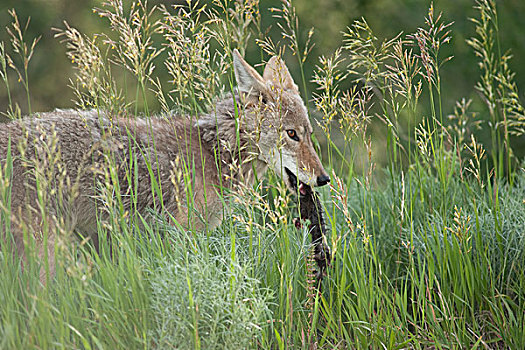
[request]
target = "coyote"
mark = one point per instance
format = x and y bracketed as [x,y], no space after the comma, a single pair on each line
[180,164]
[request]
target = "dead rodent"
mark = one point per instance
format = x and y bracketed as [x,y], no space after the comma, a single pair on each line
[311,212]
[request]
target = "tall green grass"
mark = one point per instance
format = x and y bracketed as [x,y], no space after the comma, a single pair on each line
[427,252]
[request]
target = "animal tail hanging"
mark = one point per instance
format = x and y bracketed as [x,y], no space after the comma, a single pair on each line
[311,210]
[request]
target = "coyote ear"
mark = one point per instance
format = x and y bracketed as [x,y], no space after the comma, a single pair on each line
[248,80]
[277,73]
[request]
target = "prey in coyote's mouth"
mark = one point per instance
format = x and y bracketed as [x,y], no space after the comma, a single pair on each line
[311,211]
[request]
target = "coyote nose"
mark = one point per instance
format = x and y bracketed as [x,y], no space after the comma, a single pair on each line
[323,180]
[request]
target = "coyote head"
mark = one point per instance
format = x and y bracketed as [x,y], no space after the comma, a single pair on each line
[277,118]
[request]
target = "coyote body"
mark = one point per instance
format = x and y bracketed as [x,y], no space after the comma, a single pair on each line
[183,165]
[142,151]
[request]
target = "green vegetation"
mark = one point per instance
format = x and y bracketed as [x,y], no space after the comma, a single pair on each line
[428,242]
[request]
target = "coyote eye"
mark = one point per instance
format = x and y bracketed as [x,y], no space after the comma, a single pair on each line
[292,134]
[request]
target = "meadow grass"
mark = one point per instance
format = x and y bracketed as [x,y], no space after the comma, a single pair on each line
[427,250]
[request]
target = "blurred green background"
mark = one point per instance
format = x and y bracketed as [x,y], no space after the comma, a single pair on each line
[50,70]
